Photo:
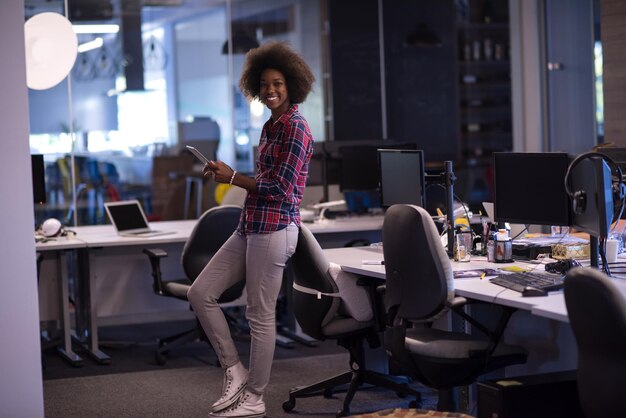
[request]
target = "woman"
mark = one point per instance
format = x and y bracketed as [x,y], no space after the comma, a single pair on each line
[268,229]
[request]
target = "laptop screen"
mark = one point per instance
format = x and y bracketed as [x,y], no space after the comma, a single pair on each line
[127,216]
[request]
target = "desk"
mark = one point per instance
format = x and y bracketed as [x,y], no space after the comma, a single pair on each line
[540,324]
[351,260]
[114,276]
[58,248]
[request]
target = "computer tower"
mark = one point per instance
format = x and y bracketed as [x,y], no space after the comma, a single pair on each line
[550,395]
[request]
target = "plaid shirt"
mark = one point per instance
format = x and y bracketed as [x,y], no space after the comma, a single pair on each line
[285,150]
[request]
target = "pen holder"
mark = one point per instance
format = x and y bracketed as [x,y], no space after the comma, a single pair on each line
[503,251]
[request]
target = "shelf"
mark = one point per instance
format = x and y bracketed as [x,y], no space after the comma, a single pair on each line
[464,26]
[484,79]
[486,110]
[486,135]
[485,63]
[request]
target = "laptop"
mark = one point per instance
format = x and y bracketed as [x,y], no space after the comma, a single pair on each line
[129,219]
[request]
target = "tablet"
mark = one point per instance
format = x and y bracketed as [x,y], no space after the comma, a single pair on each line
[198,154]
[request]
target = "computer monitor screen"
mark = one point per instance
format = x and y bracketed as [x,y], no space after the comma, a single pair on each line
[39,178]
[359,165]
[359,168]
[401,177]
[529,188]
[591,178]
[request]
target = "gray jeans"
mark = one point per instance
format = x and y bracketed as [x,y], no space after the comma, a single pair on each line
[260,259]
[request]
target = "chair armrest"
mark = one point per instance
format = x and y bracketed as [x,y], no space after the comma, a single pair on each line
[155,255]
[373,285]
[155,252]
[458,301]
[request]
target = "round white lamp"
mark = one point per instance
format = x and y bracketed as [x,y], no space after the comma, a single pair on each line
[51,48]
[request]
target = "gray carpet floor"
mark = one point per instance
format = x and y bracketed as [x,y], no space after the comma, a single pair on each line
[134,385]
[188,392]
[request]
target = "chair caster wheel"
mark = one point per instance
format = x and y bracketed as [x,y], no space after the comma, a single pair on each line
[414,405]
[342,413]
[328,393]
[289,405]
[160,359]
[401,394]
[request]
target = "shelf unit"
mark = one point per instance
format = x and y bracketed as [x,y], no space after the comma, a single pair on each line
[484,72]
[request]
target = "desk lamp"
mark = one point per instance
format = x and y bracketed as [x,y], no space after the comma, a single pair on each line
[324,207]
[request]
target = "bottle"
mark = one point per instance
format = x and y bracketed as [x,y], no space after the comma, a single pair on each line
[487,11]
[491,248]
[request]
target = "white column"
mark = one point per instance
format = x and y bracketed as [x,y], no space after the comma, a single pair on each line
[21,387]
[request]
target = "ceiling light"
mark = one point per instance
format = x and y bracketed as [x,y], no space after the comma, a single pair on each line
[108,28]
[88,46]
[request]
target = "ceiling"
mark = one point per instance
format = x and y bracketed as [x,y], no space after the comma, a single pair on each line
[110,10]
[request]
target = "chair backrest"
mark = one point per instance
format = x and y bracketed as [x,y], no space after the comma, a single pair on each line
[310,270]
[234,196]
[597,313]
[418,271]
[211,231]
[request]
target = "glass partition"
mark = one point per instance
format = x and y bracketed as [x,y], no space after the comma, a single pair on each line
[150,76]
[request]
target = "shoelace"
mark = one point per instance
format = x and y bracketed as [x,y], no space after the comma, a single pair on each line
[240,402]
[228,381]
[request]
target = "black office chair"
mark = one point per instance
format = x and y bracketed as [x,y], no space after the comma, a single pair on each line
[597,313]
[213,228]
[317,308]
[418,291]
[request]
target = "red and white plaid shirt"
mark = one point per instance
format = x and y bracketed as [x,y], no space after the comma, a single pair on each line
[285,150]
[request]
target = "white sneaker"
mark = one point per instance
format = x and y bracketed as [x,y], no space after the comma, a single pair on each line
[235,380]
[249,405]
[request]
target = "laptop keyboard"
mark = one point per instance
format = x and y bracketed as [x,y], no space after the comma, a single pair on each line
[519,280]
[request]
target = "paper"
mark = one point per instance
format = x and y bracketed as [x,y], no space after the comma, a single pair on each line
[474,273]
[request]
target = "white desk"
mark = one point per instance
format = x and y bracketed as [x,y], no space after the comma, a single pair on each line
[351,259]
[58,248]
[115,277]
[540,324]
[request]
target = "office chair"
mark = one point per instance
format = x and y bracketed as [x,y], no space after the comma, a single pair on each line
[418,291]
[213,228]
[597,313]
[317,305]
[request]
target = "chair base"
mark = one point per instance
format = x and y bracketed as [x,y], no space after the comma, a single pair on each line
[238,332]
[174,341]
[355,379]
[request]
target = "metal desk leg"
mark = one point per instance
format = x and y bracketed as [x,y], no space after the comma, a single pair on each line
[65,349]
[191,183]
[87,311]
[188,183]
[199,196]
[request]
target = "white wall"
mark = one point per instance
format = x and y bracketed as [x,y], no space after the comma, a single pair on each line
[21,387]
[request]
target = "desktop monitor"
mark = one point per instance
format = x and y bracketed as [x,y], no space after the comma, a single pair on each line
[529,188]
[359,168]
[39,178]
[359,177]
[401,177]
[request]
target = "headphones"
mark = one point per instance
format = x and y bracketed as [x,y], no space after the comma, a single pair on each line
[579,197]
[51,228]
[562,266]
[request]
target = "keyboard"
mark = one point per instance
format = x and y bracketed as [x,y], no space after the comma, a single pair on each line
[519,280]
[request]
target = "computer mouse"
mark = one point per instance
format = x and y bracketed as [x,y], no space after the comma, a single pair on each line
[533,291]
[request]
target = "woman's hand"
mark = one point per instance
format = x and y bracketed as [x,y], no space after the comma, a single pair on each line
[206,171]
[220,170]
